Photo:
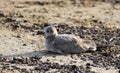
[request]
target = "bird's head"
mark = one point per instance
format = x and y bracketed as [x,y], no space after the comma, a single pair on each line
[50,31]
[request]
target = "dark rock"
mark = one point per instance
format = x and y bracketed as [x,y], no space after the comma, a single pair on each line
[14,27]
[24,70]
[5,67]
[42,67]
[88,65]
[1,14]
[36,26]
[1,56]
[16,60]
[74,67]
[24,44]
[40,32]
[9,20]
[95,20]
[21,16]
[18,36]
[47,24]
[14,67]
[25,21]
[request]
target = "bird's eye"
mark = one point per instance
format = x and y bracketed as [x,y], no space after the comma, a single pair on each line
[48,31]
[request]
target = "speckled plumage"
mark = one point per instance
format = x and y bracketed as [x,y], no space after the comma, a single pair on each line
[65,43]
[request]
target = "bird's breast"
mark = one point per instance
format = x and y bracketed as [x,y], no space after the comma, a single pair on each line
[49,44]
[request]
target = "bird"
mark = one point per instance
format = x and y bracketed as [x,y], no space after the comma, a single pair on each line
[66,43]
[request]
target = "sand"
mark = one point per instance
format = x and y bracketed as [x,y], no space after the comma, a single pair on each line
[21,20]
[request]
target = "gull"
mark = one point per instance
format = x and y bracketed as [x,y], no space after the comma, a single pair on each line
[66,43]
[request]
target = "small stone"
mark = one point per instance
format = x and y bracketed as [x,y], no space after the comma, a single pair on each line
[9,20]
[48,60]
[74,67]
[24,44]
[95,20]
[1,15]
[88,64]
[25,21]
[18,36]
[14,27]
[84,59]
[46,24]
[15,67]
[40,32]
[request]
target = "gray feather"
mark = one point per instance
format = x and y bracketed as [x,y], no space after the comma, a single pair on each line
[65,43]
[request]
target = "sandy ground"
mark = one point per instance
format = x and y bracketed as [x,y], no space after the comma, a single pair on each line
[17,39]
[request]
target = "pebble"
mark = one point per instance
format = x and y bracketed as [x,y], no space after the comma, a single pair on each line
[9,20]
[1,14]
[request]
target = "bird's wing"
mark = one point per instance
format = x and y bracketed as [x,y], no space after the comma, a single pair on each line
[66,38]
[67,43]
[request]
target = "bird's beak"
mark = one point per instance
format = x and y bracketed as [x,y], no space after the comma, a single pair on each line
[45,36]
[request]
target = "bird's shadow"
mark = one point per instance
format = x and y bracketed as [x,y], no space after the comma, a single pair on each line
[38,53]
[35,53]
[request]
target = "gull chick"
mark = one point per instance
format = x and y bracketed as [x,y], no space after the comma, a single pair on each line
[66,43]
